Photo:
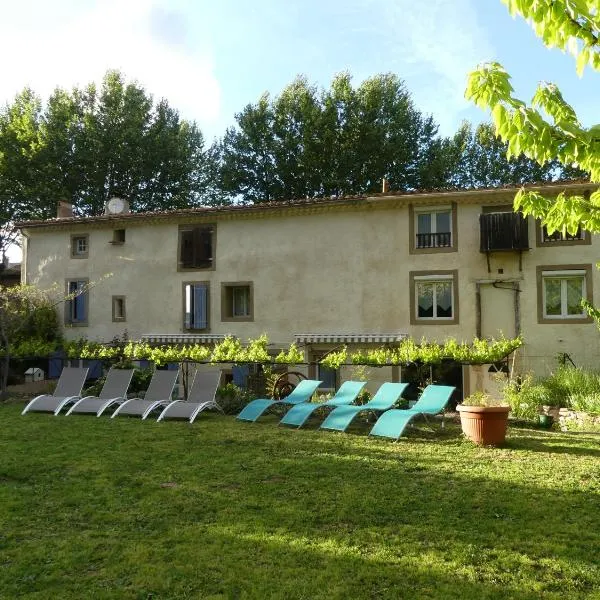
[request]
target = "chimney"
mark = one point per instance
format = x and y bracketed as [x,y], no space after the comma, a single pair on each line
[64,209]
[385,186]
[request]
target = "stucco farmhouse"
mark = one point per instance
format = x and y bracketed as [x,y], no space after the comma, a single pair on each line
[355,270]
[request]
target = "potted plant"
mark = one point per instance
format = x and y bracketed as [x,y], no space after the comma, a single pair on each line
[483,419]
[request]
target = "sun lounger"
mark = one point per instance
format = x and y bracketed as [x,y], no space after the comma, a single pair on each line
[299,414]
[385,397]
[433,400]
[158,394]
[301,393]
[68,390]
[200,397]
[114,391]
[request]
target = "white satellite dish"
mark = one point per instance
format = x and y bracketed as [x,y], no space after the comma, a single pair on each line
[117,206]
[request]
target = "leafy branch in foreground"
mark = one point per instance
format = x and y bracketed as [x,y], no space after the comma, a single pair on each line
[548,128]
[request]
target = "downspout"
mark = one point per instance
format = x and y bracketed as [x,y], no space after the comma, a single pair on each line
[478,310]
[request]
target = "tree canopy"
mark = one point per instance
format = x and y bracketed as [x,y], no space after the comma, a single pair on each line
[548,128]
[308,142]
[87,145]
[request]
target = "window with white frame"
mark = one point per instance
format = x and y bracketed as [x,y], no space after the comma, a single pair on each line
[434,297]
[80,246]
[195,305]
[562,294]
[433,227]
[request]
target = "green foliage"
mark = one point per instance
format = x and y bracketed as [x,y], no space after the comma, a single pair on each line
[256,351]
[548,128]
[568,386]
[139,382]
[478,159]
[585,402]
[333,360]
[232,399]
[311,143]
[292,356]
[480,398]
[89,144]
[525,396]
[569,381]
[232,350]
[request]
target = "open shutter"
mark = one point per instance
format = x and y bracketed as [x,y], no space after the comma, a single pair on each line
[200,306]
[80,303]
[186,249]
[203,247]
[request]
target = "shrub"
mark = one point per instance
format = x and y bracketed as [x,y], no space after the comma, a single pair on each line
[586,402]
[232,399]
[139,382]
[567,382]
[525,396]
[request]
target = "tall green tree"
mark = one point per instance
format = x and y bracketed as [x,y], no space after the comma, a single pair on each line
[21,171]
[344,140]
[548,128]
[89,144]
[479,160]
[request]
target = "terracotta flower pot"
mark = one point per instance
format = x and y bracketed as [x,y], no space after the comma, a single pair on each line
[484,425]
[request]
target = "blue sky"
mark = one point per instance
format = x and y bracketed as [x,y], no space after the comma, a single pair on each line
[209,59]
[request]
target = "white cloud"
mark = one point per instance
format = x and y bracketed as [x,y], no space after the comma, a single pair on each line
[78,43]
[436,43]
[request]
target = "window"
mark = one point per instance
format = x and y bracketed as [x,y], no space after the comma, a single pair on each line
[434,229]
[118,236]
[79,246]
[561,291]
[558,238]
[434,297]
[195,305]
[328,377]
[118,308]
[196,247]
[76,304]
[237,302]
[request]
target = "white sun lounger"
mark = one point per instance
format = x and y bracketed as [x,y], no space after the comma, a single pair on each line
[158,394]
[68,390]
[201,396]
[114,391]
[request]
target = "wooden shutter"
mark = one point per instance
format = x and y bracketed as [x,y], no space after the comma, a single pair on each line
[203,247]
[200,306]
[186,248]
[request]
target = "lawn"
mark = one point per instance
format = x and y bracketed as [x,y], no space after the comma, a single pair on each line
[100,508]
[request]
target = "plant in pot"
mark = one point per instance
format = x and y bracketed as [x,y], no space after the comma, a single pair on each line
[484,419]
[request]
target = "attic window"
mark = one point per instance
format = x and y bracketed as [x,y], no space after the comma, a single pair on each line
[118,236]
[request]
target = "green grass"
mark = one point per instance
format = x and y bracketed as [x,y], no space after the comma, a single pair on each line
[100,508]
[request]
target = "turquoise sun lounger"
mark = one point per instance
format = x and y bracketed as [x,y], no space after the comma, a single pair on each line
[385,397]
[433,400]
[301,393]
[299,414]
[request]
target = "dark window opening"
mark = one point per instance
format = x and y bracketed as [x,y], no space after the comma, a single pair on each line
[196,248]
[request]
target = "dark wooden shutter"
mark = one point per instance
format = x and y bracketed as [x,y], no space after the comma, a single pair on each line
[186,248]
[203,247]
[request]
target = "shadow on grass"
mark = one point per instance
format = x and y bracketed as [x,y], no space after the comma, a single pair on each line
[128,509]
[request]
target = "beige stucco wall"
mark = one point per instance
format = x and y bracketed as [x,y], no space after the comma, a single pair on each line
[342,270]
